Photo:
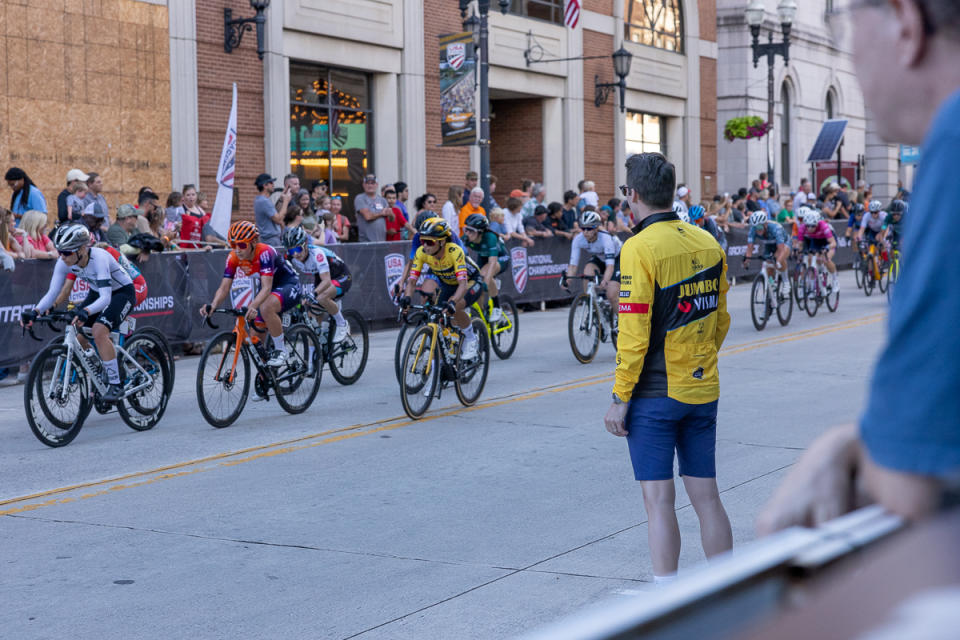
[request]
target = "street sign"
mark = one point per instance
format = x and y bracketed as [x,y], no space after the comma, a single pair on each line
[825,148]
[909,154]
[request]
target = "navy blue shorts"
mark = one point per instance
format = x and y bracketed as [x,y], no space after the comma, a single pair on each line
[659,426]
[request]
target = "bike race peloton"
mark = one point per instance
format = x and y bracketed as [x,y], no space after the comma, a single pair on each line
[279,284]
[774,240]
[331,278]
[493,254]
[111,296]
[459,277]
[604,252]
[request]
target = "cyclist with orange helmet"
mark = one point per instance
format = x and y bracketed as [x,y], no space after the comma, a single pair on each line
[279,283]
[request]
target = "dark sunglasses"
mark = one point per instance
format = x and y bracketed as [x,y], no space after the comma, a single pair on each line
[471,229]
[239,245]
[431,201]
[294,251]
[427,242]
[623,189]
[66,254]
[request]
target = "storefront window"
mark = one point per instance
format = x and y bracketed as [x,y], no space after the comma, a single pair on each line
[330,128]
[655,23]
[645,133]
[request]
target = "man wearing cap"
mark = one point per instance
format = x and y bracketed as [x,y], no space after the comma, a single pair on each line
[536,225]
[119,232]
[372,212]
[683,198]
[73,176]
[269,221]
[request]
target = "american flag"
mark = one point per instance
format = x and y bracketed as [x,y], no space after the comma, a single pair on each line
[571,14]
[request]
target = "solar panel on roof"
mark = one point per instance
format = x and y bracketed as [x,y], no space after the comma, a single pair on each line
[827,142]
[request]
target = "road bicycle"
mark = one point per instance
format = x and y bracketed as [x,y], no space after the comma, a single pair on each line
[872,268]
[893,271]
[223,375]
[504,333]
[796,276]
[591,320]
[433,360]
[769,293]
[347,358]
[66,382]
[818,285]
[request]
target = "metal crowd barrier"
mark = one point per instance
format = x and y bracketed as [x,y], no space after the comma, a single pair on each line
[728,597]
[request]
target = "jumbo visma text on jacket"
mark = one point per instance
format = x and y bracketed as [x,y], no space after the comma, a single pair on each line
[673,312]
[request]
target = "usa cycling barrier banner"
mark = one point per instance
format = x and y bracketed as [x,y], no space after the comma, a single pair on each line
[179,283]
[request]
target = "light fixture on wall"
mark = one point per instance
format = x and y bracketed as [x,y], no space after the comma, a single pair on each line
[234,28]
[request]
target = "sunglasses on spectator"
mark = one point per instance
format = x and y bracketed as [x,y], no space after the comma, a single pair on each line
[624,189]
[427,242]
[239,245]
[431,201]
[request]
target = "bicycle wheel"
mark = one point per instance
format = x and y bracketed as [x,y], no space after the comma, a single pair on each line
[892,274]
[297,383]
[758,301]
[223,380]
[830,295]
[56,405]
[472,374]
[142,410]
[349,358]
[784,303]
[421,372]
[796,283]
[504,334]
[867,271]
[858,268]
[157,335]
[584,328]
[811,291]
[884,267]
[414,320]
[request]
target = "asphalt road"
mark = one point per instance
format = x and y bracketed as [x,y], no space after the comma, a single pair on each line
[351,520]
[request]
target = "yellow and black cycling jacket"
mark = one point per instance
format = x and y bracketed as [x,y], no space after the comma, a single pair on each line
[673,312]
[450,264]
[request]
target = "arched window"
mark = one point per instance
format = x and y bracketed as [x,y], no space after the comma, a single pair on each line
[655,23]
[831,105]
[785,126]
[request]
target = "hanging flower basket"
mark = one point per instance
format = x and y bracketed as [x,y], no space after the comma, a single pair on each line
[745,127]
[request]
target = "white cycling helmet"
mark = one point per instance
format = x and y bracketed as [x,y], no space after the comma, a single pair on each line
[590,220]
[812,218]
[758,218]
[71,237]
[875,205]
[681,213]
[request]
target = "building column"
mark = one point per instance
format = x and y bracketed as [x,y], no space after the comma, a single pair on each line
[689,171]
[386,126]
[619,119]
[573,168]
[413,119]
[551,122]
[883,163]
[184,118]
[276,95]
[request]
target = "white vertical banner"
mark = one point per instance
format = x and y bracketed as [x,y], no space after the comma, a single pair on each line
[223,205]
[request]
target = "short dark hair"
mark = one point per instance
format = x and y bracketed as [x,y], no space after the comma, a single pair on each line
[580,185]
[804,181]
[399,186]
[471,175]
[146,196]
[653,178]
[553,207]
[91,176]
[514,203]
[613,203]
[569,195]
[941,14]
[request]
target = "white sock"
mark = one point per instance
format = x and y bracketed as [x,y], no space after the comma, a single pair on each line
[113,371]
[278,341]
[468,334]
[664,579]
[340,319]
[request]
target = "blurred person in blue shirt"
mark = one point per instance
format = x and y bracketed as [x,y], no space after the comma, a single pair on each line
[26,196]
[906,448]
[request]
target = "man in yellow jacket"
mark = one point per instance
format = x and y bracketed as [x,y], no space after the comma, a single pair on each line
[673,319]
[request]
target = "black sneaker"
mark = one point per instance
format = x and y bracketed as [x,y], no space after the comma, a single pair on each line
[114,393]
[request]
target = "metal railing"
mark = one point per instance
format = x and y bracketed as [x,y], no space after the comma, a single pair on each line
[733,594]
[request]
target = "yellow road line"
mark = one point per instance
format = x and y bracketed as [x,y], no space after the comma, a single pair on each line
[233,458]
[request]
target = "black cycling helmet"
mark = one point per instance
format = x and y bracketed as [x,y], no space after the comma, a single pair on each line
[422,217]
[294,237]
[898,206]
[435,228]
[477,221]
[858,209]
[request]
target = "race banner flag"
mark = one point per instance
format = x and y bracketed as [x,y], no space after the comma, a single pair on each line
[571,13]
[223,205]
[457,88]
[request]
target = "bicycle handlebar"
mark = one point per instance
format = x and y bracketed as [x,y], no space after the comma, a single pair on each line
[564,277]
[50,318]
[239,313]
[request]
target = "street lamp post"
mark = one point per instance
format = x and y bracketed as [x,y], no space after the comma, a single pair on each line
[483,7]
[786,12]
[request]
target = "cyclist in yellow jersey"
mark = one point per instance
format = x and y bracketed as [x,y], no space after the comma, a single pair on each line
[459,277]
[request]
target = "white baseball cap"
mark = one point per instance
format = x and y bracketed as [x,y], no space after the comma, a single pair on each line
[682,192]
[75,174]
